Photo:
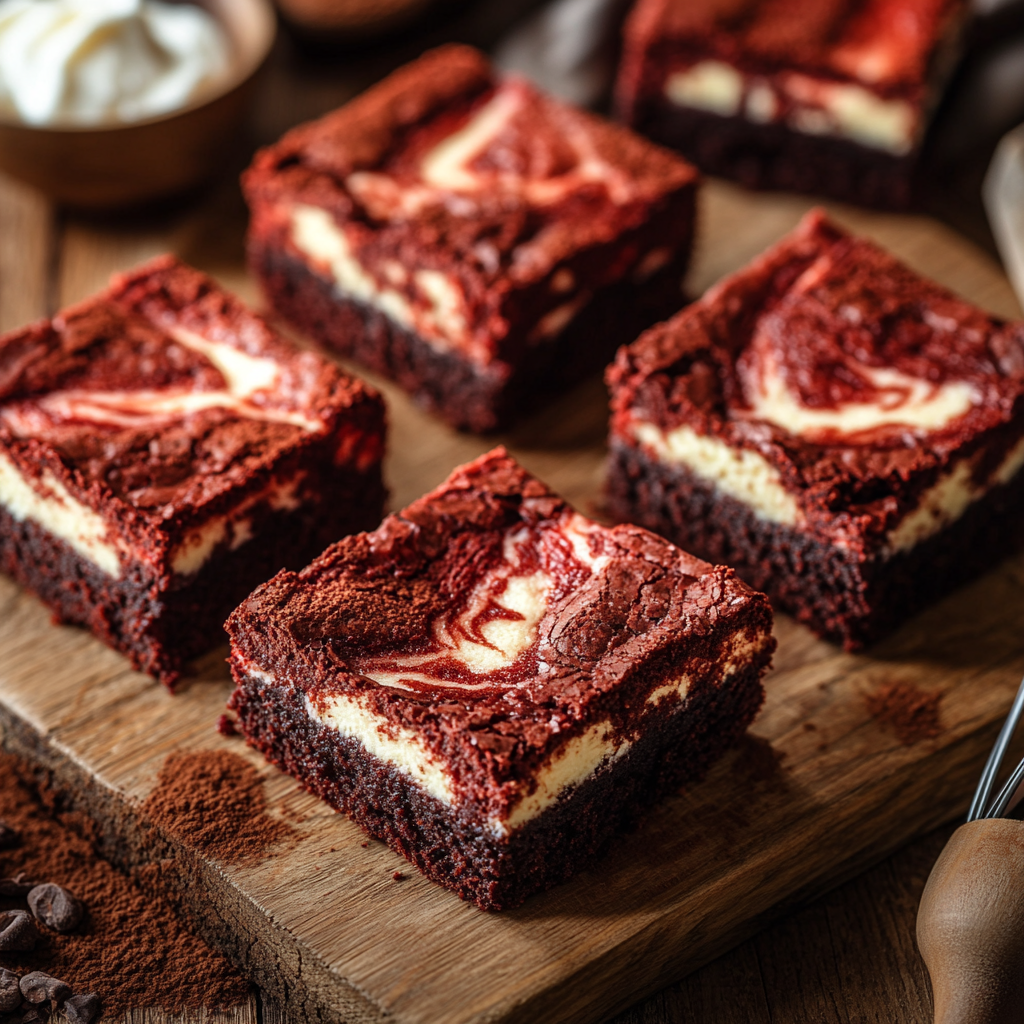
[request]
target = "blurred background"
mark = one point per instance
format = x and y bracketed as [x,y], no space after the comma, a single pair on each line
[328,50]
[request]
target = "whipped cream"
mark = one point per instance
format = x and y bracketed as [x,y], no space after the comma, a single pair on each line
[96,62]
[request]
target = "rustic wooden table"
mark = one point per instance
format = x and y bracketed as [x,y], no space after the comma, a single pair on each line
[848,957]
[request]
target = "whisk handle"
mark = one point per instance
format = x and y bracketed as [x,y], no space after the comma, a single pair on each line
[970,925]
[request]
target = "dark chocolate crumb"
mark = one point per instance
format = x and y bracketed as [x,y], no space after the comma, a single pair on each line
[9,837]
[364,845]
[82,1009]
[10,991]
[17,887]
[226,726]
[38,987]
[809,727]
[397,876]
[18,932]
[56,907]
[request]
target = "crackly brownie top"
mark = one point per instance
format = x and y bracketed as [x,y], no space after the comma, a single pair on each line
[444,153]
[163,391]
[887,44]
[490,605]
[841,366]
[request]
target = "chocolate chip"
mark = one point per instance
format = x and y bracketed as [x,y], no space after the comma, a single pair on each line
[10,992]
[9,838]
[55,907]
[18,932]
[41,988]
[82,1009]
[16,887]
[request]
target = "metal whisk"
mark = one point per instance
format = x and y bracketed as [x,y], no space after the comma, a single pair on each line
[980,806]
[970,924]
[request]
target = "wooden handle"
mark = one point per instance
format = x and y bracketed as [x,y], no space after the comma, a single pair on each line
[970,925]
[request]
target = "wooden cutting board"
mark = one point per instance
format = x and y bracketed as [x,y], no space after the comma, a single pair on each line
[817,791]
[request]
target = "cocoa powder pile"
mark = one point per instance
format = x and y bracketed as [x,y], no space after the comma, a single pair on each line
[213,802]
[130,946]
[912,714]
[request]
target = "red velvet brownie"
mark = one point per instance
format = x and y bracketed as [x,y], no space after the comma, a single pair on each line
[474,239]
[829,97]
[495,685]
[163,451]
[846,434]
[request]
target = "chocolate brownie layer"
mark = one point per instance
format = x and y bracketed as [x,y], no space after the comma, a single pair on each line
[826,98]
[841,594]
[477,224]
[769,156]
[847,434]
[162,450]
[157,626]
[516,680]
[469,396]
[495,872]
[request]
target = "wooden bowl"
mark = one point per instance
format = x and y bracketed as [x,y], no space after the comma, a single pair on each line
[132,163]
[350,20]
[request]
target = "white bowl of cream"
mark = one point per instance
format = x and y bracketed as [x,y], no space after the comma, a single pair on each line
[157,85]
[98,62]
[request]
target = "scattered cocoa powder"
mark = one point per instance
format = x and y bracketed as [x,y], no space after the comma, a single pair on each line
[131,947]
[212,800]
[912,714]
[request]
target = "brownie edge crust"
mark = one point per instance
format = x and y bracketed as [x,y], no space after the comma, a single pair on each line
[846,434]
[844,597]
[829,99]
[496,686]
[163,451]
[481,243]
[477,398]
[496,872]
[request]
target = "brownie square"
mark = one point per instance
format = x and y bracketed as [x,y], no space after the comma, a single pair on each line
[846,434]
[162,451]
[477,241]
[827,97]
[495,685]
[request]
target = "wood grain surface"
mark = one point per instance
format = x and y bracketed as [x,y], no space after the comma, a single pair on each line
[819,790]
[246,1014]
[849,958]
